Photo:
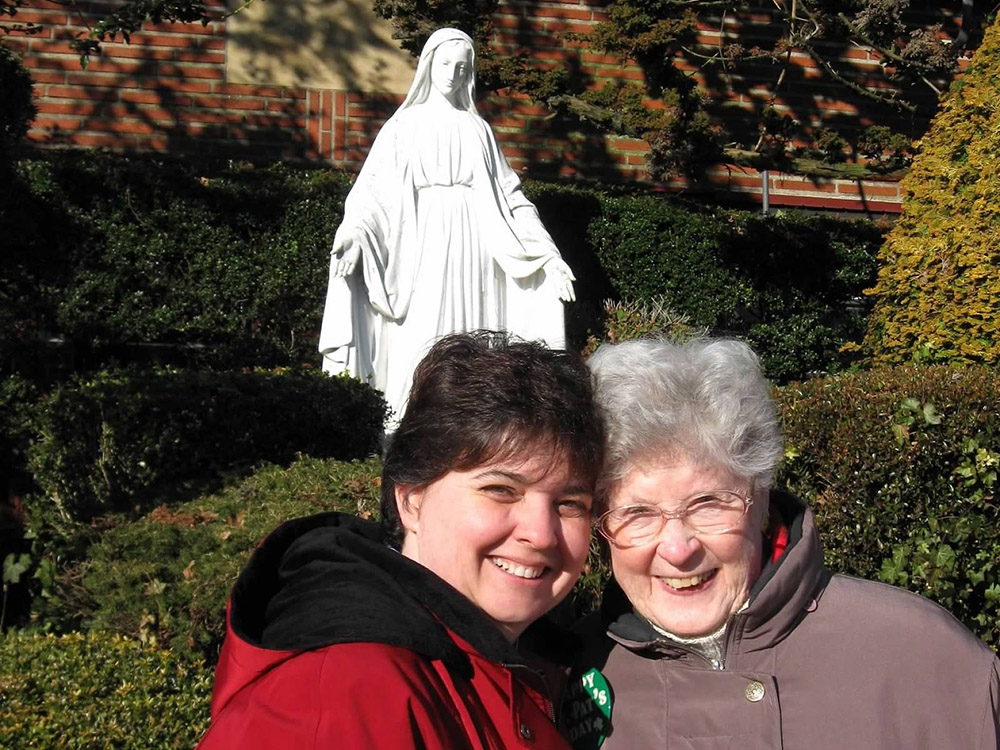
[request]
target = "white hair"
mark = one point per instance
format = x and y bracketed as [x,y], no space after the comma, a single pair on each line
[705,400]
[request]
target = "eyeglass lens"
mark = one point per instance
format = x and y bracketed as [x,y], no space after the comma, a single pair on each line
[708,514]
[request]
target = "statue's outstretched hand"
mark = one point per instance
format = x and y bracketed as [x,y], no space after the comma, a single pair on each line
[346,257]
[563,278]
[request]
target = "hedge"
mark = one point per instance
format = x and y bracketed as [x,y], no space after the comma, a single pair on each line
[788,283]
[224,261]
[18,109]
[114,440]
[165,577]
[938,293]
[228,264]
[900,466]
[99,691]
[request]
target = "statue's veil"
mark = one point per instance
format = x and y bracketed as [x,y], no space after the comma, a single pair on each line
[420,88]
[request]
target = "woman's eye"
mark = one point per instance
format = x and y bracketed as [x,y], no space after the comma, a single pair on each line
[574,508]
[638,511]
[500,492]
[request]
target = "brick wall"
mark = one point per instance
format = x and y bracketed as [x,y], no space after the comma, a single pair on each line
[167,91]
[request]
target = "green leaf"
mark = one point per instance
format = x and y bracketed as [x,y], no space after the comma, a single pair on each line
[15,566]
[931,415]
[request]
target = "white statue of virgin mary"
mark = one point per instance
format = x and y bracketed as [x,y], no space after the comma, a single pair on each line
[437,236]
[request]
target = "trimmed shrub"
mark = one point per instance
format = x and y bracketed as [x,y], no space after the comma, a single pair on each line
[788,283]
[114,440]
[226,262]
[17,396]
[17,110]
[165,578]
[938,293]
[81,692]
[900,466]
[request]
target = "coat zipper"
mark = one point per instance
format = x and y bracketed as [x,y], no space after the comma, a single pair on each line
[540,679]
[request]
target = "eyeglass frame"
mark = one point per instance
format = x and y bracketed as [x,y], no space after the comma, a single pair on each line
[746,496]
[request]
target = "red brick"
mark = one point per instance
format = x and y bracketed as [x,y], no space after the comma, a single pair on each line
[56,123]
[313,130]
[326,114]
[79,92]
[210,118]
[629,144]
[222,102]
[19,38]
[507,22]
[169,85]
[140,53]
[96,140]
[34,61]
[201,56]
[83,109]
[141,113]
[285,106]
[563,27]
[18,45]
[157,143]
[888,191]
[247,89]
[124,126]
[195,29]
[48,5]
[507,122]
[140,97]
[47,76]
[33,15]
[191,71]
[735,180]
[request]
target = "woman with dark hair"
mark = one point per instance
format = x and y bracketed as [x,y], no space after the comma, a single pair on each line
[344,633]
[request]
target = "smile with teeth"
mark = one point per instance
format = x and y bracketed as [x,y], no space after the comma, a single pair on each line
[521,571]
[686,583]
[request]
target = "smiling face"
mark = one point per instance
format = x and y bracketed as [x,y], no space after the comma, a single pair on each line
[686,584]
[450,68]
[512,536]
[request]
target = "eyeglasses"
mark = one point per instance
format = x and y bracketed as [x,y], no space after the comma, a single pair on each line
[706,513]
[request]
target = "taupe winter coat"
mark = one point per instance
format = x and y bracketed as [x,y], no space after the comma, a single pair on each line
[815,661]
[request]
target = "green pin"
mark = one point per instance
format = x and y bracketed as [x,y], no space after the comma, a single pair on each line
[586,711]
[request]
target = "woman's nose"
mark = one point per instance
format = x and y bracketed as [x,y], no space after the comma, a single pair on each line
[537,525]
[676,542]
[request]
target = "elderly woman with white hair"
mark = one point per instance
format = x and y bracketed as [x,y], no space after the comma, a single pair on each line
[722,628]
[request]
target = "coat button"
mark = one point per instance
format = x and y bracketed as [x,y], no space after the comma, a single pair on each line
[755,691]
[526,731]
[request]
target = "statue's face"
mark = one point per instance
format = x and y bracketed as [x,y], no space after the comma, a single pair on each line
[450,68]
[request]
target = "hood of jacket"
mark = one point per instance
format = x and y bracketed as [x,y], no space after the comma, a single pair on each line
[787,587]
[329,579]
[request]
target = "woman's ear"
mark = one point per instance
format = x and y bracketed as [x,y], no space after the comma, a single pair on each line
[408,500]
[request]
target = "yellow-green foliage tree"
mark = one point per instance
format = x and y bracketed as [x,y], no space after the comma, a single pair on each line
[937,297]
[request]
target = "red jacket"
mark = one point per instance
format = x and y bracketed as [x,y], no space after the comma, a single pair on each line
[335,641]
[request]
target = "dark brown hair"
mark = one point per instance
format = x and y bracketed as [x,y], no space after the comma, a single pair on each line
[481,397]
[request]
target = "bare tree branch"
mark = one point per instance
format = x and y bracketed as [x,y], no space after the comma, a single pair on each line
[858,88]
